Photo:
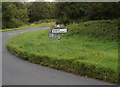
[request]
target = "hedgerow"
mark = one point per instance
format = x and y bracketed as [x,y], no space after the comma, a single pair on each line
[104,30]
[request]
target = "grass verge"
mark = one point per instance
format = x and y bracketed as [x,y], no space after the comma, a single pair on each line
[76,54]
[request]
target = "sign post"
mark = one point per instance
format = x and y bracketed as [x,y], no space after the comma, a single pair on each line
[51,36]
[55,33]
[51,40]
[59,37]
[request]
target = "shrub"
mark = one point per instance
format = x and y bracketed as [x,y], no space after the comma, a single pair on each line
[104,30]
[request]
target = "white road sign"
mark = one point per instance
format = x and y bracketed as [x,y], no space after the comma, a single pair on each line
[54,36]
[55,33]
[51,35]
[59,25]
[59,30]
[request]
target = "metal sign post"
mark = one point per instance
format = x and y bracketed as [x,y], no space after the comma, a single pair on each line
[51,36]
[59,37]
[59,42]
[51,40]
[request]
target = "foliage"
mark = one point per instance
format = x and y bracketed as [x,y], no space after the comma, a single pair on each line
[38,11]
[98,11]
[104,30]
[77,53]
[14,14]
[69,12]
[45,21]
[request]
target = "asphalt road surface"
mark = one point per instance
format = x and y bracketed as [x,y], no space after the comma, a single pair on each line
[16,71]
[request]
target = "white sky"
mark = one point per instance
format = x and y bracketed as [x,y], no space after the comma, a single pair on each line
[30,0]
[34,0]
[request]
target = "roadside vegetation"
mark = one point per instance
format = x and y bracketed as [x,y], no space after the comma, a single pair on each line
[17,14]
[32,26]
[83,50]
[103,30]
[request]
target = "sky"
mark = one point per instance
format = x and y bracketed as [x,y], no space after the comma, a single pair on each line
[30,0]
[34,0]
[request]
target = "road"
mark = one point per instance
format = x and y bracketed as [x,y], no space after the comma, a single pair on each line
[16,71]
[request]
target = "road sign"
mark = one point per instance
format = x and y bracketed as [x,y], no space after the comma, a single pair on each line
[51,35]
[59,30]
[58,37]
[54,36]
[59,25]
[55,33]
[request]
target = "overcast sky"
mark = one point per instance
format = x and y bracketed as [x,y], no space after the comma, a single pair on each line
[34,0]
[30,0]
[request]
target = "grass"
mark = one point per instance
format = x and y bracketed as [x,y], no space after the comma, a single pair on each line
[30,26]
[89,49]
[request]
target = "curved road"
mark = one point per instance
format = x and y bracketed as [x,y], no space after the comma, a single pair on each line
[16,71]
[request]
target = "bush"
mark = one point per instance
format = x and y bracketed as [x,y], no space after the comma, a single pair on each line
[104,30]
[45,21]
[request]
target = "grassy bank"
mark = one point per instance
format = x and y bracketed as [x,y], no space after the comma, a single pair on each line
[30,26]
[78,53]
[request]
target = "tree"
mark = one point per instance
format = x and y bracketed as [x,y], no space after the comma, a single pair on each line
[67,12]
[98,11]
[14,14]
[40,10]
